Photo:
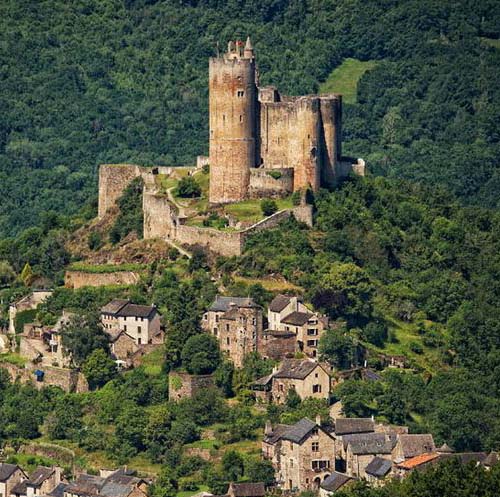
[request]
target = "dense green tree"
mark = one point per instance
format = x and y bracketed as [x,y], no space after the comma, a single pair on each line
[201,354]
[99,368]
[188,187]
[232,465]
[82,335]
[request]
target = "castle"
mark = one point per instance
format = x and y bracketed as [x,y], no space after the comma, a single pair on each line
[262,144]
[255,131]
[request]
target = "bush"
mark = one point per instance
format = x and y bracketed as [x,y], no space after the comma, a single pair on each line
[95,241]
[188,187]
[416,347]
[274,174]
[268,207]
[296,197]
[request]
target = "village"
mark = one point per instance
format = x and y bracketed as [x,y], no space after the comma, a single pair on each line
[321,455]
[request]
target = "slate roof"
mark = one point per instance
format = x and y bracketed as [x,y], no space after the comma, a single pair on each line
[264,380]
[7,470]
[345,426]
[124,308]
[39,476]
[445,449]
[378,467]
[464,457]
[279,303]
[114,306]
[113,489]
[248,489]
[85,485]
[19,488]
[58,491]
[336,480]
[297,432]
[297,369]
[369,443]
[414,445]
[492,459]
[297,318]
[221,304]
[276,434]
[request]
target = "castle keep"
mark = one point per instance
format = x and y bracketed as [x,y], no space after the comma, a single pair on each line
[263,143]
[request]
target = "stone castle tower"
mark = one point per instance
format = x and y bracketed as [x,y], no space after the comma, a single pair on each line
[263,144]
[233,130]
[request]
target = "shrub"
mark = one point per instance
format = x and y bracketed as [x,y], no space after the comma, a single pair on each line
[188,187]
[268,207]
[296,197]
[206,168]
[416,347]
[95,240]
[274,174]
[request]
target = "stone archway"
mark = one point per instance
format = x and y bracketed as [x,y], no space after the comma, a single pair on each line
[316,483]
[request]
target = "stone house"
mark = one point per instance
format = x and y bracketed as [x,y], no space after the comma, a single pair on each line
[302,454]
[307,377]
[361,449]
[141,322]
[118,483]
[246,490]
[350,426]
[40,483]
[10,475]
[288,313]
[122,345]
[277,345]
[409,446]
[28,302]
[236,322]
[336,481]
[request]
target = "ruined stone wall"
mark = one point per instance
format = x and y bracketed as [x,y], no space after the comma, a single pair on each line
[227,243]
[160,216]
[262,184]
[66,379]
[275,128]
[113,179]
[304,214]
[331,121]
[79,279]
[185,385]
[232,104]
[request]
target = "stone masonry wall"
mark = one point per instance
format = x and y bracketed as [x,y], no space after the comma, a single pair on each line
[226,243]
[79,279]
[114,178]
[262,184]
[185,385]
[160,216]
[66,379]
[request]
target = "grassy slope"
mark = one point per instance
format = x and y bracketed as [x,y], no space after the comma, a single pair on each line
[344,79]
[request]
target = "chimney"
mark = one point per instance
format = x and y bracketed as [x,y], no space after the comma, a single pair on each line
[268,429]
[318,419]
[57,475]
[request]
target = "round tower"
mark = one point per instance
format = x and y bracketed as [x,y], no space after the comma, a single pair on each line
[232,108]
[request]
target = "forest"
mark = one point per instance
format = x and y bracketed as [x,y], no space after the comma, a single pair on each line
[99,81]
[404,262]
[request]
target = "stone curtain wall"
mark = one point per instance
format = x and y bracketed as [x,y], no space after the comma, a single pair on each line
[160,216]
[226,243]
[262,184]
[79,279]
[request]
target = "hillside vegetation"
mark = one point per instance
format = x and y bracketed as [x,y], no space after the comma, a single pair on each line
[100,81]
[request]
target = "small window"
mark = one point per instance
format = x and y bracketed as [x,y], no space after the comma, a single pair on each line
[316,388]
[227,327]
[241,118]
[315,446]
[139,341]
[139,330]
[125,328]
[240,93]
[228,341]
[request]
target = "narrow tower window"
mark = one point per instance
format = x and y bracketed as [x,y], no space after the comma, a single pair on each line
[241,118]
[240,93]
